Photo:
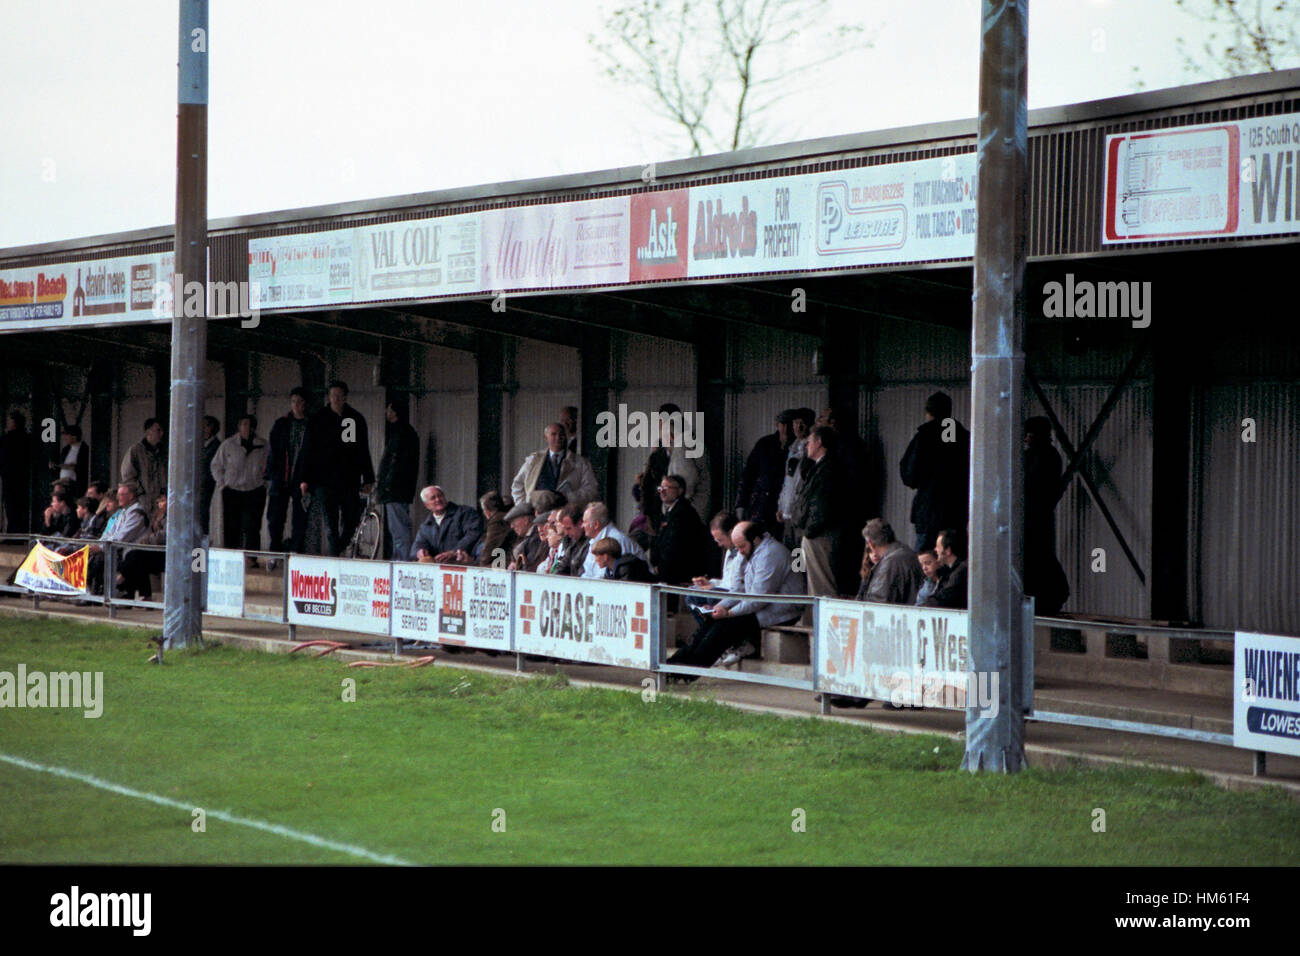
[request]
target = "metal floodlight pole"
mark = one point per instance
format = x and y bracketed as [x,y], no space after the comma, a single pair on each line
[182,605]
[995,735]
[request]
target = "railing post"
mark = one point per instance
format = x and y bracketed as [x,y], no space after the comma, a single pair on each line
[110,579]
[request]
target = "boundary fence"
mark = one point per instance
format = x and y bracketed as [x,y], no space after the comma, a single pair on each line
[911,656]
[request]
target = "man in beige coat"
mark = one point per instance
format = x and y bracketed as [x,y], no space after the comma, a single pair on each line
[555,468]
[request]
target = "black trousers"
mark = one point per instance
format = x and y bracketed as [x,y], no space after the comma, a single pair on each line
[281,502]
[712,639]
[342,515]
[243,517]
[136,567]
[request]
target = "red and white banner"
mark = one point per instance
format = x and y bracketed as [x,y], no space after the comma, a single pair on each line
[602,622]
[339,594]
[1220,179]
[452,604]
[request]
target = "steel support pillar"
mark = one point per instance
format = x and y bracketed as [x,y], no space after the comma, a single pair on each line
[995,729]
[182,605]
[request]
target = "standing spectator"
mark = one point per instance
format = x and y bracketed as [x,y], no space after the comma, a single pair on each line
[861,498]
[951,550]
[645,492]
[733,622]
[694,472]
[800,424]
[596,526]
[555,468]
[569,419]
[16,473]
[335,465]
[937,465]
[818,515]
[895,576]
[238,468]
[764,474]
[398,470]
[1045,579]
[73,466]
[284,494]
[145,462]
[680,550]
[450,532]
[208,484]
[497,533]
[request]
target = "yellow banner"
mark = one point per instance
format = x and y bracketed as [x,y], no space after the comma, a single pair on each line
[49,572]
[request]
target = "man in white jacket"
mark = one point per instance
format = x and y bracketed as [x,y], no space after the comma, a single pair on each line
[238,467]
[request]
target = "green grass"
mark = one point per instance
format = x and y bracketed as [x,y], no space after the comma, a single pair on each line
[416,766]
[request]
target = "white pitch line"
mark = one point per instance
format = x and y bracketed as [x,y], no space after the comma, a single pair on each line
[275,828]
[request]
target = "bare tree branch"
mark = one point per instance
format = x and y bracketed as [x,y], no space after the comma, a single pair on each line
[711,69]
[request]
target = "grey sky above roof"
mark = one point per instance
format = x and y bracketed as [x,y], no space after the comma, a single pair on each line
[329,101]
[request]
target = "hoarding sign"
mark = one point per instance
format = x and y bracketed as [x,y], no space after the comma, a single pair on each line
[87,292]
[452,604]
[892,652]
[1266,708]
[225,583]
[602,622]
[1221,179]
[339,594]
[555,245]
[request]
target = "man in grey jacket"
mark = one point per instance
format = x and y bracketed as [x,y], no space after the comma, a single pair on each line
[895,576]
[145,463]
[768,570]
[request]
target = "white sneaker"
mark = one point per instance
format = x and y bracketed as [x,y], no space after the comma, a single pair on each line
[738,654]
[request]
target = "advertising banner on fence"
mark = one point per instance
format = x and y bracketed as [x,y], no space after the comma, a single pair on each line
[225,578]
[603,622]
[889,652]
[88,292]
[339,594]
[452,604]
[1266,708]
[48,572]
[1222,179]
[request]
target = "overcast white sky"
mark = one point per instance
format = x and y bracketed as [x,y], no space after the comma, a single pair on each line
[318,101]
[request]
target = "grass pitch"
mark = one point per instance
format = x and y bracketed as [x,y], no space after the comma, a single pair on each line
[438,765]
